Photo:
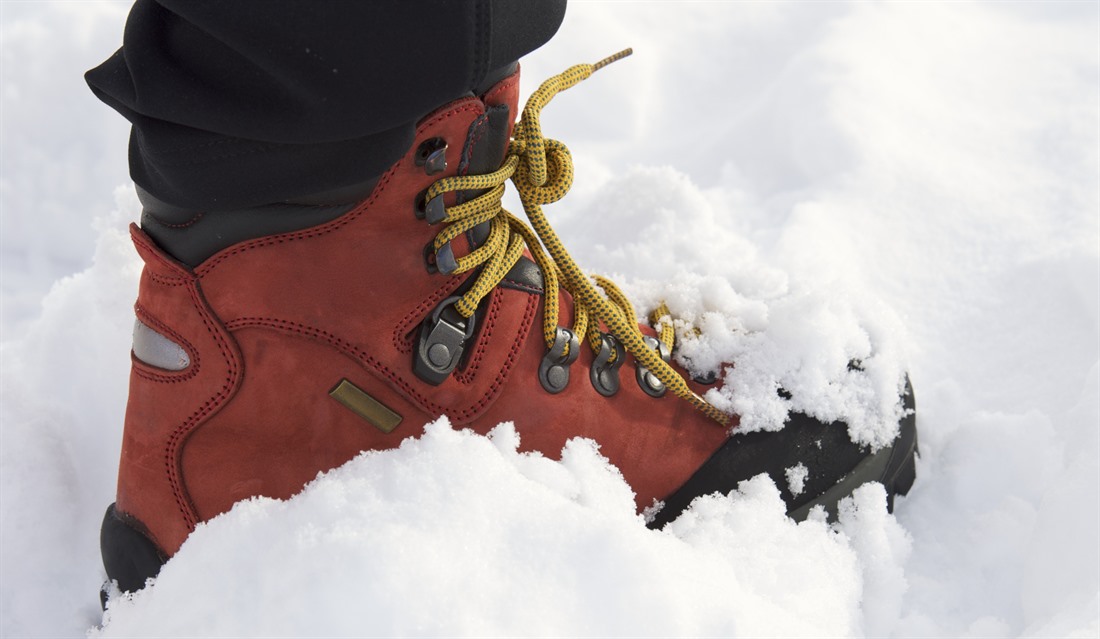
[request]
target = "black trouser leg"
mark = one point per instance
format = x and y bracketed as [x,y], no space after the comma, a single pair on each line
[248,102]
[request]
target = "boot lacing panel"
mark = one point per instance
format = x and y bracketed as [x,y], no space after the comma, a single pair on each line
[542,171]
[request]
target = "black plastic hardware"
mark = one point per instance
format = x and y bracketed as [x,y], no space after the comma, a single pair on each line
[129,557]
[432,155]
[443,337]
[445,259]
[431,210]
[554,369]
[434,211]
[649,382]
[605,373]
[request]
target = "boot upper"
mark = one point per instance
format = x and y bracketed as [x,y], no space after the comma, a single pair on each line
[285,330]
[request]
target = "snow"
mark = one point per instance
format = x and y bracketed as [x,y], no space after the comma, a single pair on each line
[421,544]
[796,478]
[913,185]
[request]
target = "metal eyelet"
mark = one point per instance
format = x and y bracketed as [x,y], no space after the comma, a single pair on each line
[445,259]
[443,337]
[431,210]
[432,155]
[554,368]
[440,260]
[650,383]
[605,373]
[707,378]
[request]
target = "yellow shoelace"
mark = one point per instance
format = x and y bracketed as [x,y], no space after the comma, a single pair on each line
[542,171]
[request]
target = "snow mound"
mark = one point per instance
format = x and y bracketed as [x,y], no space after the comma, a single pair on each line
[458,534]
[834,354]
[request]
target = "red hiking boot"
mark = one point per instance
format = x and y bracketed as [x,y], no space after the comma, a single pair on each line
[274,344]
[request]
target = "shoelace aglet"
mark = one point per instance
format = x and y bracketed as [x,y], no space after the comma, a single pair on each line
[613,58]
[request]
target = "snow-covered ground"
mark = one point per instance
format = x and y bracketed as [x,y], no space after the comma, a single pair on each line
[916,184]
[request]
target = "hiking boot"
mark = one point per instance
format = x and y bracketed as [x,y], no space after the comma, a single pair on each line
[276,342]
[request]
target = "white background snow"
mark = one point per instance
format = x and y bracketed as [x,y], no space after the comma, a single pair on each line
[915,183]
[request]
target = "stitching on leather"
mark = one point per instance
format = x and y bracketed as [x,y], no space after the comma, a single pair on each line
[525,287]
[412,393]
[175,278]
[166,280]
[457,415]
[341,221]
[505,371]
[469,374]
[476,132]
[502,88]
[342,346]
[402,339]
[172,460]
[283,238]
[154,374]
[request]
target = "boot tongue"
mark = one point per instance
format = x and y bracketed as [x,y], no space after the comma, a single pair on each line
[483,152]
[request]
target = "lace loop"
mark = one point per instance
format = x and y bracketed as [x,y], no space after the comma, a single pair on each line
[542,171]
[556,175]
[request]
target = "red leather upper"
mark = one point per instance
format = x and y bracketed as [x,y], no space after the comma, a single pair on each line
[273,324]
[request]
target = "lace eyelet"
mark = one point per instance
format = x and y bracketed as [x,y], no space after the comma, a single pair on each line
[432,155]
[650,383]
[554,368]
[431,210]
[604,372]
[440,260]
[443,338]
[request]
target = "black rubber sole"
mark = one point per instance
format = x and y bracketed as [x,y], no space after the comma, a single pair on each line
[129,557]
[835,465]
[894,467]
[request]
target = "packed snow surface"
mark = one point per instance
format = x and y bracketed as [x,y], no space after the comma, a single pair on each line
[915,186]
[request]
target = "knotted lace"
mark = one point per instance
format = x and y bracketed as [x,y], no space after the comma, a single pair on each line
[542,171]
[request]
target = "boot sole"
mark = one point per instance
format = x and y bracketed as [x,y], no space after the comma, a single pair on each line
[894,467]
[836,466]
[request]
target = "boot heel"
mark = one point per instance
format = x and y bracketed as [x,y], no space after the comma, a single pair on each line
[902,472]
[129,556]
[905,474]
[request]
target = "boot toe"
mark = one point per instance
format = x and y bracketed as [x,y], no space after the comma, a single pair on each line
[812,463]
